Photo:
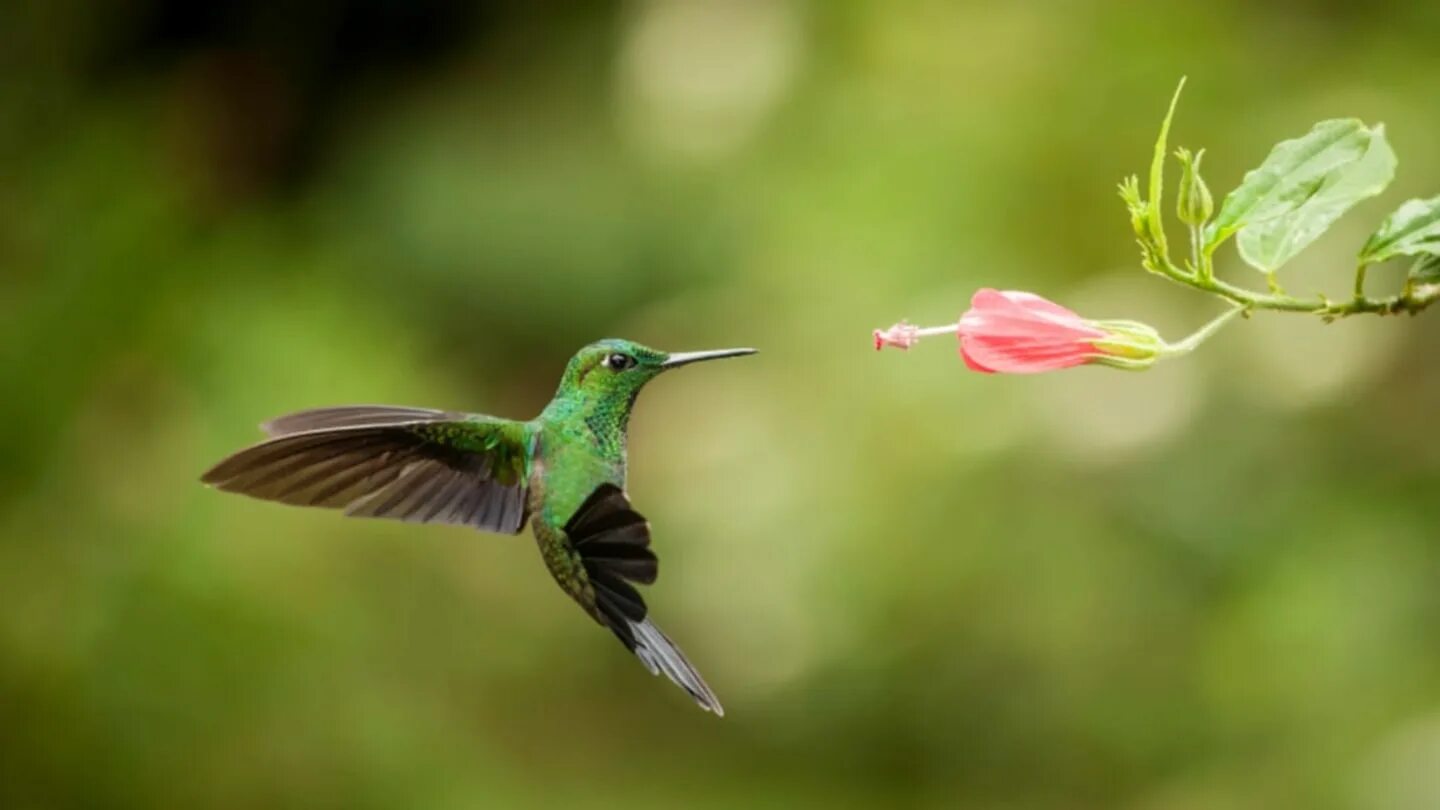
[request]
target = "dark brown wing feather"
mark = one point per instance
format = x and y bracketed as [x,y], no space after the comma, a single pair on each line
[352,416]
[412,471]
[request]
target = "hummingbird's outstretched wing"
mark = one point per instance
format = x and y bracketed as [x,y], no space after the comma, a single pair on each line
[353,416]
[609,548]
[404,463]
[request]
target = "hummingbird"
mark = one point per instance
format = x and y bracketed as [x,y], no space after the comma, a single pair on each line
[563,471]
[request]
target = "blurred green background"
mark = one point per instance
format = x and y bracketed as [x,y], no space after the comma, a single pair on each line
[1212,585]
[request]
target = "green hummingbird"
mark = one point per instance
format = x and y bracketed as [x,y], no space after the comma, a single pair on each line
[564,470]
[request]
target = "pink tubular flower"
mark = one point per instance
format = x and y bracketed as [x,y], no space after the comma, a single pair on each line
[1022,333]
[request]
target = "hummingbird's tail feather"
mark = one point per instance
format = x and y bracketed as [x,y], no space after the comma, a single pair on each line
[612,542]
[659,654]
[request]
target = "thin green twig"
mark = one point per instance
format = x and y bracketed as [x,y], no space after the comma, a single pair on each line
[1412,300]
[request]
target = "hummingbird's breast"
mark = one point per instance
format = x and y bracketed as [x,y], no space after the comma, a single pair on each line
[569,464]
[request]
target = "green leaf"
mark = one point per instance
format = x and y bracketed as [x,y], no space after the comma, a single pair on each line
[1303,186]
[1270,243]
[1426,270]
[1413,230]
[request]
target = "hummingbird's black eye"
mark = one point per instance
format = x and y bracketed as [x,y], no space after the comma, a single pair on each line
[619,362]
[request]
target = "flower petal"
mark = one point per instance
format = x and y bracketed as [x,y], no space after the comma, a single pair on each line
[1031,301]
[1023,356]
[971,362]
[995,312]
[997,324]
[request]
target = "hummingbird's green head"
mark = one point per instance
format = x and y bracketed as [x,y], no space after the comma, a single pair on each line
[612,371]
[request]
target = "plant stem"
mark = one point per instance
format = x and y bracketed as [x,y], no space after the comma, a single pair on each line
[1195,259]
[1203,333]
[1410,301]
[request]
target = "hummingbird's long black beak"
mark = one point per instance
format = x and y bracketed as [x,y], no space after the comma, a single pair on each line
[685,358]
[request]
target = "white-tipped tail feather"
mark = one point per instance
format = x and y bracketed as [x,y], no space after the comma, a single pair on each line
[659,654]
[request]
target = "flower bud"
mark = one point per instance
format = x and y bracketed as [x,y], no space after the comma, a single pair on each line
[1139,212]
[1193,205]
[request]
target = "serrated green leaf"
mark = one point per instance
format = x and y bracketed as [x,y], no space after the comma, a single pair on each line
[1301,188]
[1290,167]
[1267,244]
[1412,230]
[1426,270]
